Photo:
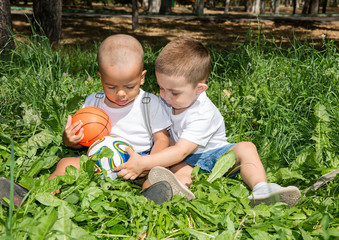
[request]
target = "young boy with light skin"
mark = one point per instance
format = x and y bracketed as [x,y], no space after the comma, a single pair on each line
[121,70]
[198,129]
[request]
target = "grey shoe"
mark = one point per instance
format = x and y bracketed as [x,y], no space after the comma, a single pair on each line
[5,189]
[158,174]
[289,195]
[159,192]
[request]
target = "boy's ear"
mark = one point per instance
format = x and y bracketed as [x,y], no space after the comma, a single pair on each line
[202,87]
[143,74]
[99,74]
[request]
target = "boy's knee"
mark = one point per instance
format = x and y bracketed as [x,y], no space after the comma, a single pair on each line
[183,171]
[243,146]
[69,161]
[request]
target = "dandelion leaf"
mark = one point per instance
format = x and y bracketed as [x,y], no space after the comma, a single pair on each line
[224,163]
[48,199]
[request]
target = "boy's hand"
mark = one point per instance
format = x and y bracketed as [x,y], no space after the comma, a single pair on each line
[133,168]
[69,137]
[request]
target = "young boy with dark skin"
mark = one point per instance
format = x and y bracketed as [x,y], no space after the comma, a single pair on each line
[198,130]
[121,70]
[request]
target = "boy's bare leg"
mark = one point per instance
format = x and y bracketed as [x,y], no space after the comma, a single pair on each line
[251,169]
[63,163]
[183,171]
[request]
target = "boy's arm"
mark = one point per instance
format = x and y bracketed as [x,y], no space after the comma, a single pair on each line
[161,141]
[172,155]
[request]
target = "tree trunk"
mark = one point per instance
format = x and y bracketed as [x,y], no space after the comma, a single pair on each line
[47,18]
[306,7]
[247,5]
[227,6]
[135,15]
[262,6]
[6,41]
[314,8]
[166,6]
[145,4]
[294,6]
[324,6]
[256,7]
[198,7]
[211,3]
[276,6]
[154,6]
[334,3]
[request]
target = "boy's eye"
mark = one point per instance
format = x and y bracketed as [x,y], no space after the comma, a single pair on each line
[130,87]
[175,94]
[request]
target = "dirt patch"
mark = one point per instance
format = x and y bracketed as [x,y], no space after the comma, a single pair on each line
[85,30]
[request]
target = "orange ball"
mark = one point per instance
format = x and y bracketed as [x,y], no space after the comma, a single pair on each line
[96,124]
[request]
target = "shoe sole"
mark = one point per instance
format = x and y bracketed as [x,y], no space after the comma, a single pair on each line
[158,174]
[19,192]
[289,195]
[159,192]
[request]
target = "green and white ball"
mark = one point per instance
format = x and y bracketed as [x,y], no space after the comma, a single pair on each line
[118,146]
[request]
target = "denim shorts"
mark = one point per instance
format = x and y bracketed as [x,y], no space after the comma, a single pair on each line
[207,160]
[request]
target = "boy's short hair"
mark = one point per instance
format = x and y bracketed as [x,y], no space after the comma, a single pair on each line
[120,49]
[184,57]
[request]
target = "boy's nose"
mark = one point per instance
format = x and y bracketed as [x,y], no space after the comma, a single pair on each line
[121,93]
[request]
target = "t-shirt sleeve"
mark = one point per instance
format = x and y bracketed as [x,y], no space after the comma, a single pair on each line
[199,128]
[89,101]
[158,116]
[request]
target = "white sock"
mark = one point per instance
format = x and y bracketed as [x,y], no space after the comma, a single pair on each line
[264,188]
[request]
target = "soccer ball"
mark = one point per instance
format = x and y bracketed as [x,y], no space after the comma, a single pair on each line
[120,156]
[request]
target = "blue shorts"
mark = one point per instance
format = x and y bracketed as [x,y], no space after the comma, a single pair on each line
[207,160]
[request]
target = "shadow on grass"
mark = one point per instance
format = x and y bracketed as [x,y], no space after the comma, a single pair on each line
[85,31]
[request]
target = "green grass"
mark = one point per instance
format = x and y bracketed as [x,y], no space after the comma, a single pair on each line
[283,100]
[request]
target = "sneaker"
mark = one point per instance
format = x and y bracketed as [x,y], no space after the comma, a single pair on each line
[5,190]
[159,192]
[275,193]
[158,174]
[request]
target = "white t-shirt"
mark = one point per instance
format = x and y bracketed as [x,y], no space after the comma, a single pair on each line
[128,122]
[202,123]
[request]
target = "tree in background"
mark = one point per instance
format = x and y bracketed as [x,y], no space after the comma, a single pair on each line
[262,6]
[276,6]
[247,5]
[210,3]
[135,15]
[154,6]
[311,7]
[227,6]
[166,6]
[6,41]
[47,18]
[198,7]
[256,7]
[314,8]
[324,6]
